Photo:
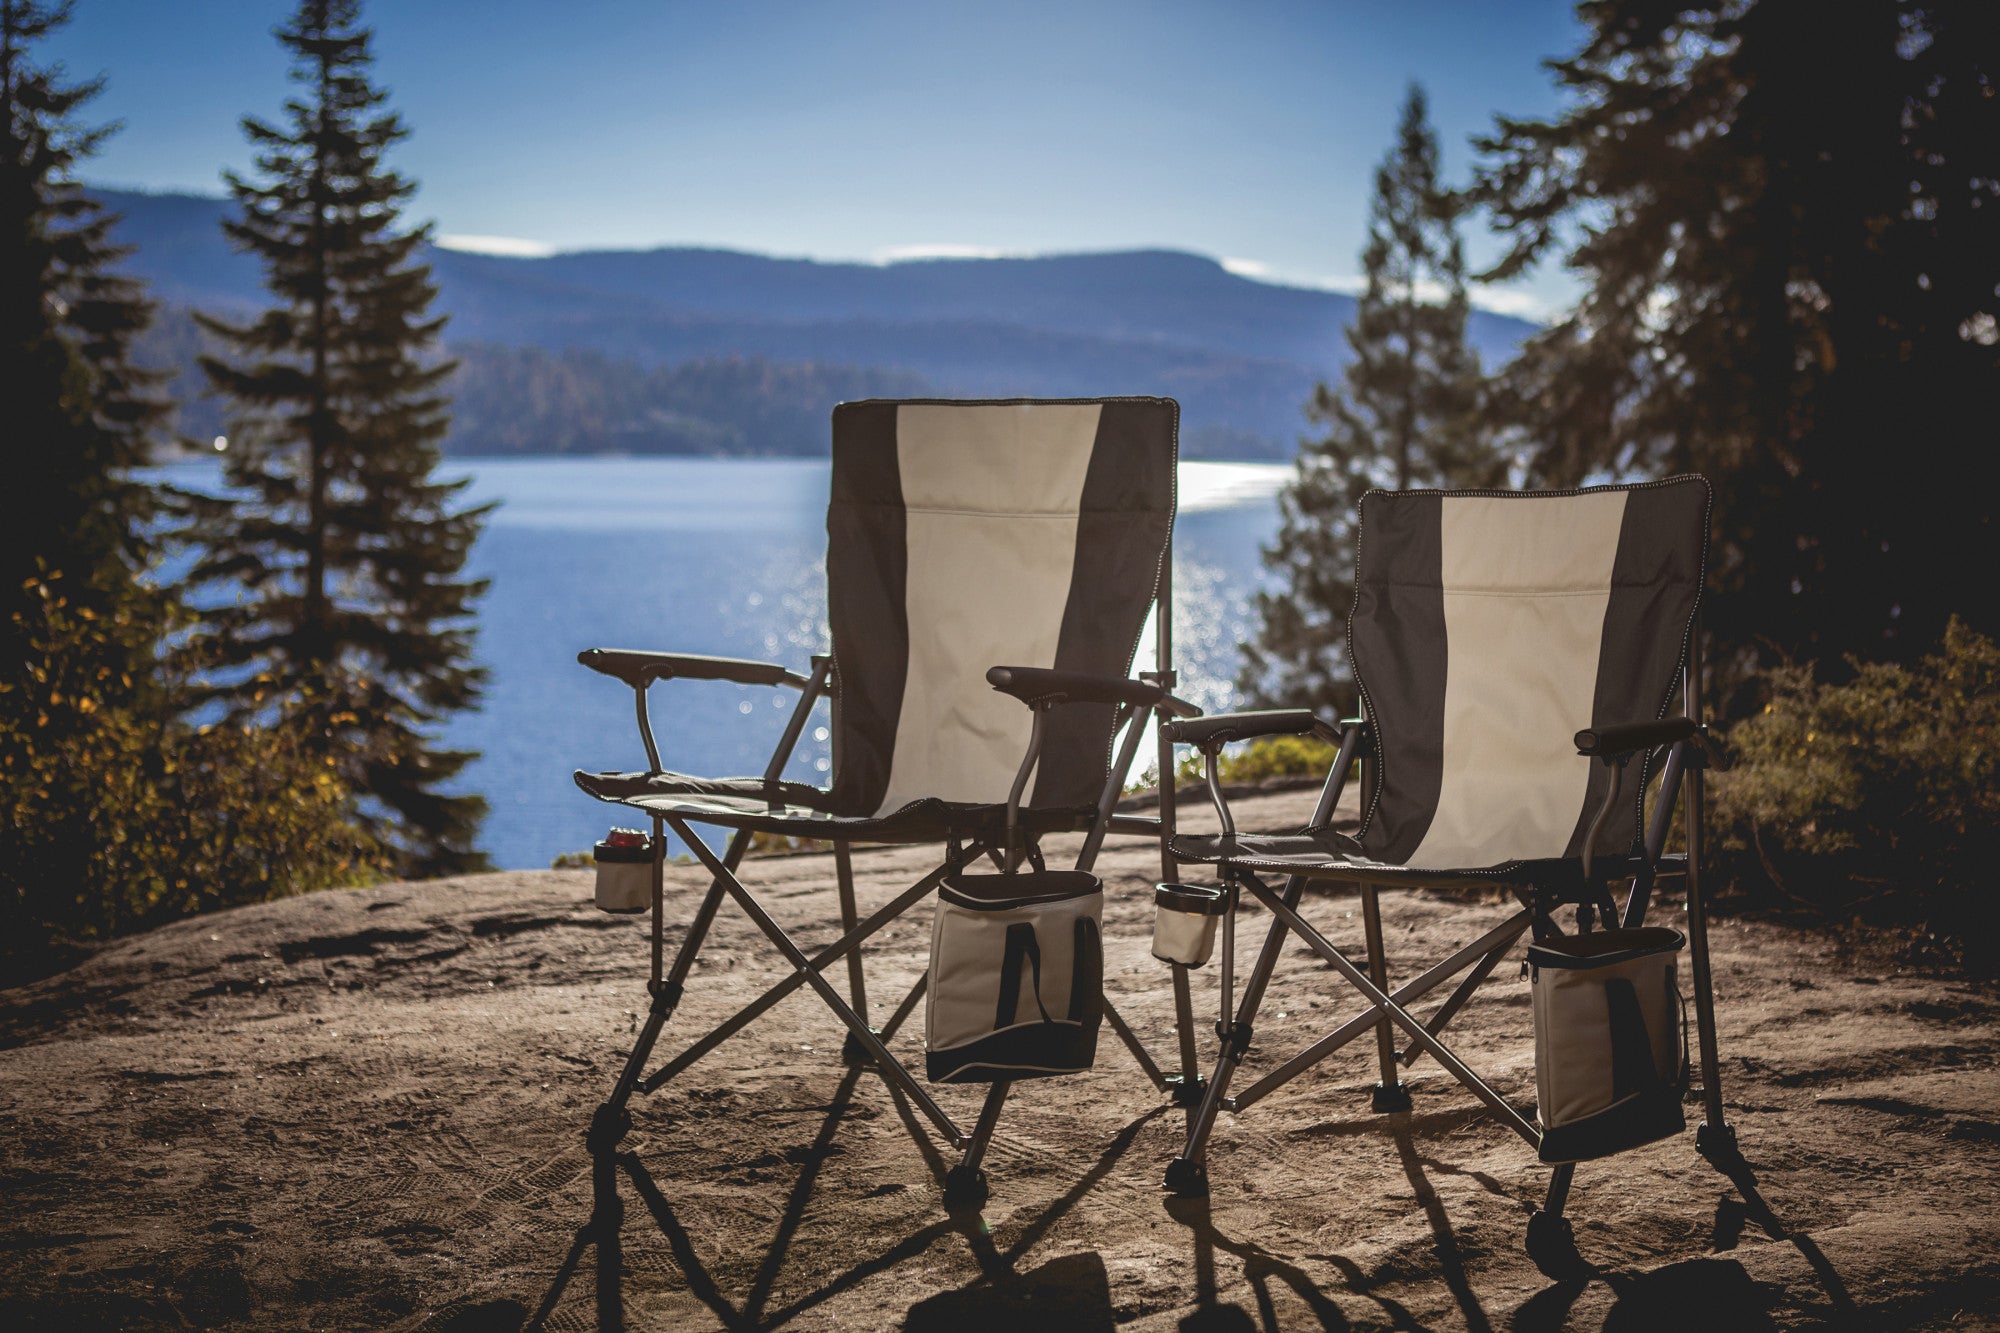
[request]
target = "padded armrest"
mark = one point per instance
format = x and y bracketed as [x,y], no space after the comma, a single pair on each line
[1222,728]
[640,669]
[1625,738]
[1038,685]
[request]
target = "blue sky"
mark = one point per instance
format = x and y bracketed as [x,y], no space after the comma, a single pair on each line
[868,130]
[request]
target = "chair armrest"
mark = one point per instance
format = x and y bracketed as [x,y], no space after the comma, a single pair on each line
[1616,740]
[1220,729]
[1046,685]
[640,669]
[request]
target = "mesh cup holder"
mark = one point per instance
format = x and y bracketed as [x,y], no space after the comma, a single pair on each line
[1184,917]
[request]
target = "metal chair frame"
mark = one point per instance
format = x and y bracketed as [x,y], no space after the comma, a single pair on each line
[1539,892]
[965,1185]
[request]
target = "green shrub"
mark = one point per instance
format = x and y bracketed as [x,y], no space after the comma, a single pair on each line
[1876,797]
[120,815]
[1267,757]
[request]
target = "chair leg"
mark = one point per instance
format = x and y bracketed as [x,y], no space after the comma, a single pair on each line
[1187,1174]
[1147,1066]
[1714,1139]
[1390,1094]
[965,1184]
[851,1050]
[611,1121]
[1551,1240]
[908,1006]
[1188,1086]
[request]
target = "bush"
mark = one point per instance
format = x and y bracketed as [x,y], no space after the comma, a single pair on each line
[1267,757]
[120,814]
[1876,797]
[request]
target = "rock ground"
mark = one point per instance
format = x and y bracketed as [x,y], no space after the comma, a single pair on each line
[363,1110]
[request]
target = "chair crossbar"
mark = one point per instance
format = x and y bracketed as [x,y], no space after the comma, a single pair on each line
[1202,1120]
[982,1132]
[818,962]
[907,1007]
[857,983]
[804,968]
[1184,1030]
[1132,1044]
[1400,1016]
[1453,1002]
[1487,950]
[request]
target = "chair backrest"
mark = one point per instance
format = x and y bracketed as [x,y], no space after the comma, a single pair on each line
[1488,629]
[966,535]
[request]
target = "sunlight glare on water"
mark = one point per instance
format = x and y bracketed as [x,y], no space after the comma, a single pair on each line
[728,557]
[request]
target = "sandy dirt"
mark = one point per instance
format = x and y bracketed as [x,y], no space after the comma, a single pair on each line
[364,1110]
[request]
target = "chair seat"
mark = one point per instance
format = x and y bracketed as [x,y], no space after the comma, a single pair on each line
[799,810]
[1325,854]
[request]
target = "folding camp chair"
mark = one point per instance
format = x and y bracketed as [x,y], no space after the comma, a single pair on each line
[961,537]
[1514,653]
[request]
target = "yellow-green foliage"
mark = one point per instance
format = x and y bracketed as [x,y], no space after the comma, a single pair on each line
[1268,757]
[118,815]
[1881,794]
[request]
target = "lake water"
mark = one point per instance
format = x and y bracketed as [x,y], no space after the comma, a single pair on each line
[725,556]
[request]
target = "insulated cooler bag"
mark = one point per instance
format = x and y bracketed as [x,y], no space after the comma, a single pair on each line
[1610,1052]
[1016,977]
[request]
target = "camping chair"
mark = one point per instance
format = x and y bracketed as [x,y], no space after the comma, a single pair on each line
[963,539]
[1515,652]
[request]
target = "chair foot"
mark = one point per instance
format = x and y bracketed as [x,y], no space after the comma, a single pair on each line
[1391,1097]
[964,1189]
[1186,1179]
[1717,1143]
[1552,1247]
[608,1127]
[853,1054]
[1186,1091]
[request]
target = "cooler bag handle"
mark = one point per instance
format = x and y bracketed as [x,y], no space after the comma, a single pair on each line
[1021,943]
[1086,983]
[1686,1074]
[1632,1066]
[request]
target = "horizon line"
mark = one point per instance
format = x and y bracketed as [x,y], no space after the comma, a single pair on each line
[1503,302]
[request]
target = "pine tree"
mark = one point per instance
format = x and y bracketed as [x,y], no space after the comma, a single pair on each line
[1405,414]
[79,415]
[345,550]
[117,811]
[1789,228]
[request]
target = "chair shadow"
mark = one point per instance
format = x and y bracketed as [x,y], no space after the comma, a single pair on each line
[602,1232]
[1260,1269]
[1071,1292]
[1751,1206]
[604,1229]
[1712,1290]
[1451,1260]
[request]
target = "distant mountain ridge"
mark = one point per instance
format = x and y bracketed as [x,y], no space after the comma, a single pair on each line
[1240,355]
